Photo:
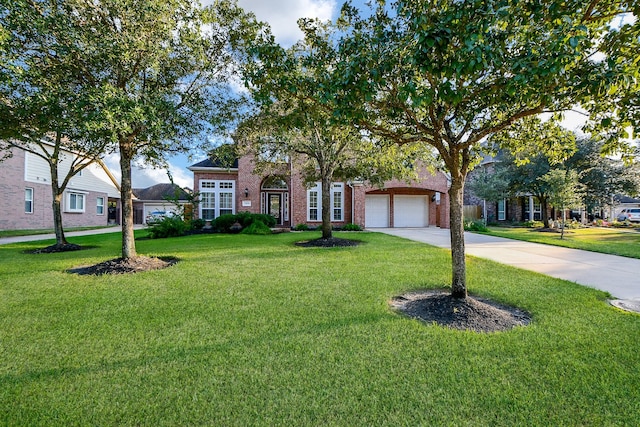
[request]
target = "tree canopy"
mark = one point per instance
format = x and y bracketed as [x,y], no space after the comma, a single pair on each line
[451,73]
[156,72]
[299,118]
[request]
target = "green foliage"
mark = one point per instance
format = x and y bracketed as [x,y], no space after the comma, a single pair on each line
[224,223]
[197,224]
[533,224]
[170,226]
[161,85]
[301,227]
[257,227]
[489,185]
[450,74]
[351,227]
[471,225]
[300,118]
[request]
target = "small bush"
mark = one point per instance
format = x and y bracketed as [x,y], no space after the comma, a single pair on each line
[475,226]
[172,226]
[533,224]
[301,227]
[257,227]
[223,223]
[197,224]
[351,227]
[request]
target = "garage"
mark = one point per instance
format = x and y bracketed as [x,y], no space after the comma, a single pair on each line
[410,211]
[376,214]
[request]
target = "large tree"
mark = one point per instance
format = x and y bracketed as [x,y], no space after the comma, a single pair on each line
[157,72]
[298,118]
[451,73]
[41,106]
[602,176]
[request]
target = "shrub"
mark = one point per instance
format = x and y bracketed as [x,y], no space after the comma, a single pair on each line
[352,227]
[257,227]
[533,224]
[197,224]
[223,223]
[301,227]
[470,225]
[267,220]
[172,226]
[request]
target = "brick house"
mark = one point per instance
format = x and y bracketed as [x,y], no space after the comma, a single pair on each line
[92,197]
[157,198]
[513,209]
[283,194]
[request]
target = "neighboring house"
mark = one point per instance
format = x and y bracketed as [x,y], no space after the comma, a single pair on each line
[623,202]
[155,199]
[284,195]
[520,208]
[92,197]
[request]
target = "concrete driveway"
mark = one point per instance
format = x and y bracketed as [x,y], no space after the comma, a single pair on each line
[617,275]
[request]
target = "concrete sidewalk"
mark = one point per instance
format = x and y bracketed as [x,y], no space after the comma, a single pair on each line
[617,275]
[18,239]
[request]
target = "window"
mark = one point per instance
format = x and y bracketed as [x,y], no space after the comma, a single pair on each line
[314,202]
[337,201]
[75,202]
[100,205]
[208,206]
[28,200]
[502,211]
[537,209]
[216,198]
[314,205]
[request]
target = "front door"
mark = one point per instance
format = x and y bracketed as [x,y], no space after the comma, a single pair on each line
[275,207]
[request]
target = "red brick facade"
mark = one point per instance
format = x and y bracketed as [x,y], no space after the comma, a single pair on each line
[13,183]
[252,195]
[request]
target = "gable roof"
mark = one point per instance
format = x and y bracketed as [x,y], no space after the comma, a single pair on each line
[160,192]
[211,164]
[625,199]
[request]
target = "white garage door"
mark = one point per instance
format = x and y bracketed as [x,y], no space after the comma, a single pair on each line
[410,211]
[376,211]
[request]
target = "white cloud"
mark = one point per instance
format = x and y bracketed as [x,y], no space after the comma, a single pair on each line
[143,177]
[282,15]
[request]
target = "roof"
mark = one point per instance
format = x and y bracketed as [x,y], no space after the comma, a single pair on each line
[208,163]
[625,199]
[161,192]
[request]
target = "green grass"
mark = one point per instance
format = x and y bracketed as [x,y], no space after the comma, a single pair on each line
[252,330]
[602,240]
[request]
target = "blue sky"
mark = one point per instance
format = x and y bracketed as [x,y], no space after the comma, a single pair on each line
[282,16]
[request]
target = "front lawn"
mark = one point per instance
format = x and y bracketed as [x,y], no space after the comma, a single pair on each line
[253,330]
[603,240]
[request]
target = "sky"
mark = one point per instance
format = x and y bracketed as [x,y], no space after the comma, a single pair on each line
[282,16]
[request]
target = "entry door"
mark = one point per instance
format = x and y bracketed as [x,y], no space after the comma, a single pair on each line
[275,207]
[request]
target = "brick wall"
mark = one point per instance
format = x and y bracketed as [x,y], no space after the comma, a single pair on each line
[12,201]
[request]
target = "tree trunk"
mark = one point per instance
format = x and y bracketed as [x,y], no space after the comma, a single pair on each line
[56,205]
[458,263]
[128,240]
[544,213]
[326,208]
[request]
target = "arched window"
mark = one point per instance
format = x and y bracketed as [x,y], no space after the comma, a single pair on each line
[274,183]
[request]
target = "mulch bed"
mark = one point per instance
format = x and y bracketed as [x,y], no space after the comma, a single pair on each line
[332,242]
[471,313]
[68,247]
[125,266]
